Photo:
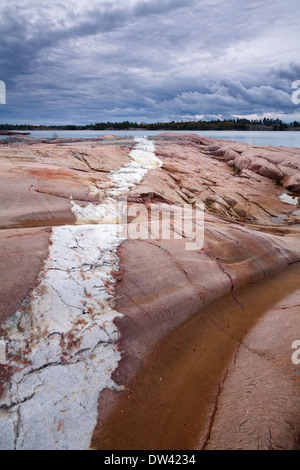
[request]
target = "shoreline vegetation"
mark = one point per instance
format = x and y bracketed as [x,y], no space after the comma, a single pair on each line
[216,125]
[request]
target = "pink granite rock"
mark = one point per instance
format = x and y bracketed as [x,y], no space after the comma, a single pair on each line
[104,328]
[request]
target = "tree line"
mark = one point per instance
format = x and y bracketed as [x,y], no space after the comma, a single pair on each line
[216,125]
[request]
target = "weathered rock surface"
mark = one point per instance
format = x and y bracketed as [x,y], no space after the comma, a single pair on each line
[38,180]
[184,348]
[22,255]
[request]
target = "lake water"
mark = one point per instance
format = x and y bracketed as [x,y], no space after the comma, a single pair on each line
[277,138]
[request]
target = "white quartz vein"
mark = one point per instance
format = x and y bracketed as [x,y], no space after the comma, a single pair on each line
[62,344]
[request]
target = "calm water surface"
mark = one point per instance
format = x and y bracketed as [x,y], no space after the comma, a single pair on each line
[277,138]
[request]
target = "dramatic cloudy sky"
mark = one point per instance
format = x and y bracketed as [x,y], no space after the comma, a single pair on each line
[86,61]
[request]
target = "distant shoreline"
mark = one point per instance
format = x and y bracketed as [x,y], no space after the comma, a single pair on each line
[161,129]
[141,129]
[13,133]
[217,125]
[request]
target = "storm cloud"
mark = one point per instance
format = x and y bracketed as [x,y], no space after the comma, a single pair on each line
[82,62]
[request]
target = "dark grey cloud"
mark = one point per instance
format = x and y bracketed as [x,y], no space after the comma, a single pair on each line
[87,61]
